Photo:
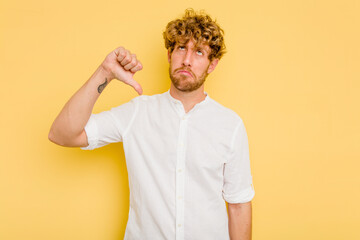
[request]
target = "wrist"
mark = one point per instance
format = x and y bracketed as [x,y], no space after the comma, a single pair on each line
[106,72]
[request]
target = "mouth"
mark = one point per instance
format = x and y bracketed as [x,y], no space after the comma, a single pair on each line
[185,72]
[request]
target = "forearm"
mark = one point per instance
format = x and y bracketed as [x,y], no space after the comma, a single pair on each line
[68,127]
[73,117]
[240,217]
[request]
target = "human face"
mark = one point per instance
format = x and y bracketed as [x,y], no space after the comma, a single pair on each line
[190,65]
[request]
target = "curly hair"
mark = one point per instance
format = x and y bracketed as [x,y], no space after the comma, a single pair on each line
[199,27]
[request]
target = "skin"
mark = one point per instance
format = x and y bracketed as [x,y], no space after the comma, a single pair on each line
[240,218]
[189,67]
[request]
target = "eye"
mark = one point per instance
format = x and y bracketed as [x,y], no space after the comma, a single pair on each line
[199,52]
[181,47]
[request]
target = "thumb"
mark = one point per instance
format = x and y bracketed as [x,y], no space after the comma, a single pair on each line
[135,85]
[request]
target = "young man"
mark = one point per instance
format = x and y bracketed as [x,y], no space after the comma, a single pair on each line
[185,153]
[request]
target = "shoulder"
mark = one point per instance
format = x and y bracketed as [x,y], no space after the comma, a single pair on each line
[149,98]
[222,113]
[142,102]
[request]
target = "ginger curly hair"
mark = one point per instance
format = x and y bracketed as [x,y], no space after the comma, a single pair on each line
[197,26]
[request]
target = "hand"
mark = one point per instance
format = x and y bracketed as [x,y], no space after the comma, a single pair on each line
[122,65]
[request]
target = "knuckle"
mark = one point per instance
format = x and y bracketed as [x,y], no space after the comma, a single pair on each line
[122,54]
[137,68]
[118,50]
[124,61]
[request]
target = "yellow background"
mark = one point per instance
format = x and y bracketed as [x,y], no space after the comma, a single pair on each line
[291,73]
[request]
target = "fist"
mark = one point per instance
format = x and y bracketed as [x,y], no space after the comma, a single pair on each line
[122,65]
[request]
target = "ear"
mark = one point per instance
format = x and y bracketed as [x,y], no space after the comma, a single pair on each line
[169,55]
[212,65]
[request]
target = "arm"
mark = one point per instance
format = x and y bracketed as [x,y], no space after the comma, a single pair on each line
[68,128]
[239,221]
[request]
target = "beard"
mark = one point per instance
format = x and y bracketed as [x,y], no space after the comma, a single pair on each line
[186,83]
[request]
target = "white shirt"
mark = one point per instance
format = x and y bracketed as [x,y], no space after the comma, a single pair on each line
[181,166]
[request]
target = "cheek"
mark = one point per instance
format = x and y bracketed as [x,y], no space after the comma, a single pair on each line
[172,65]
[175,62]
[203,67]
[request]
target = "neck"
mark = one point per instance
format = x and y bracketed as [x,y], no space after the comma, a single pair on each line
[188,99]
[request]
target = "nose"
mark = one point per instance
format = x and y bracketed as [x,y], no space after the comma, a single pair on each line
[187,59]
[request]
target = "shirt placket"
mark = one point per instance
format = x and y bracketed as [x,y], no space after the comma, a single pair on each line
[180,179]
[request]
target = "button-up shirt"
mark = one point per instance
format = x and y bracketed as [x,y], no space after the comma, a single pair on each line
[181,166]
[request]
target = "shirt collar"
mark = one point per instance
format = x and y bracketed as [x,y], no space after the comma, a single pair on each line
[177,104]
[174,100]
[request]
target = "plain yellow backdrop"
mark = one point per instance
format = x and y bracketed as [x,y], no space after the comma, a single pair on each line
[291,72]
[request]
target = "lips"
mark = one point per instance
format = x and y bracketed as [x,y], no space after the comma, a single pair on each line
[185,72]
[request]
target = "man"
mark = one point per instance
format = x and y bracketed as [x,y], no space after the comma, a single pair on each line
[185,153]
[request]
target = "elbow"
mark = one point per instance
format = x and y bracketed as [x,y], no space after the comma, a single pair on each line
[65,140]
[52,136]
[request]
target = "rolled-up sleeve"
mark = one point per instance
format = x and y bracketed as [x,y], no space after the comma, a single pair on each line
[109,126]
[238,187]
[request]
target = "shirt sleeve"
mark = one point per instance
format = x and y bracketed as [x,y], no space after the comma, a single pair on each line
[110,126]
[238,186]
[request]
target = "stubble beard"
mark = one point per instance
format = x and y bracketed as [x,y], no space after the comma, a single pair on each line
[190,84]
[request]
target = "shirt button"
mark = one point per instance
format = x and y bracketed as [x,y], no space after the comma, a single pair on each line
[179,170]
[179,225]
[179,197]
